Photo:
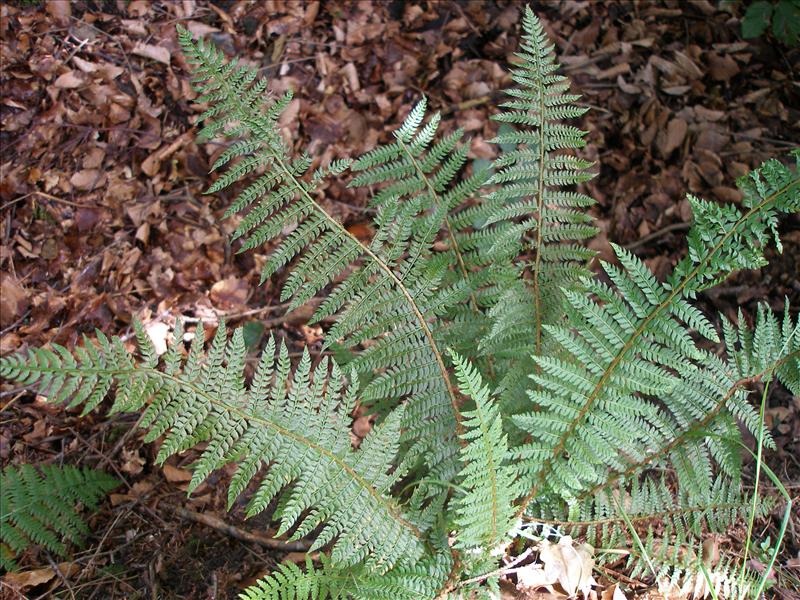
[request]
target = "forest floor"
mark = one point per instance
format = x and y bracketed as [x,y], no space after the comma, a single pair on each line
[103,219]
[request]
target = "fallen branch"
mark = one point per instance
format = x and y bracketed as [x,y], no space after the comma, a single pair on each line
[240,534]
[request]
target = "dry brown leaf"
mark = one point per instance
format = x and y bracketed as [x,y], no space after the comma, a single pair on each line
[229,292]
[722,68]
[157,331]
[564,563]
[613,593]
[14,299]
[86,179]
[60,11]
[29,579]
[132,462]
[68,81]
[176,475]
[671,139]
[157,53]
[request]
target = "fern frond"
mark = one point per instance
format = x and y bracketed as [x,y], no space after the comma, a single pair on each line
[416,169]
[38,506]
[386,286]
[296,427]
[530,210]
[631,342]
[484,514]
[290,582]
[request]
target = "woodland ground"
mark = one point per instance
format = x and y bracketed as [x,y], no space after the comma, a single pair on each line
[102,214]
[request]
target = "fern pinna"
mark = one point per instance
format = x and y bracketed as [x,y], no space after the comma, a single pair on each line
[38,505]
[595,409]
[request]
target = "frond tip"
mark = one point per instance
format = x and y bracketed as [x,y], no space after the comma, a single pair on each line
[38,506]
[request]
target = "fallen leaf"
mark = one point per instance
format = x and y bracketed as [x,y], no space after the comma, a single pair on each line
[29,579]
[722,68]
[68,81]
[176,475]
[132,462]
[671,139]
[229,292]
[157,332]
[86,179]
[563,563]
[157,53]
[612,593]
[14,300]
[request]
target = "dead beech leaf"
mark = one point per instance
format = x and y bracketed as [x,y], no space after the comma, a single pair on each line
[722,68]
[157,332]
[68,81]
[230,292]
[29,579]
[60,11]
[563,563]
[157,53]
[133,463]
[673,137]
[613,593]
[14,300]
[176,475]
[86,179]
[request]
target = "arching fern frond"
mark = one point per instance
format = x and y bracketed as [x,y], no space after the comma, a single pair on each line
[389,288]
[417,169]
[483,516]
[530,206]
[38,505]
[295,427]
[770,342]
[632,342]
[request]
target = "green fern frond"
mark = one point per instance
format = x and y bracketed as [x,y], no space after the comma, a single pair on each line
[290,582]
[483,516]
[628,343]
[771,342]
[387,286]
[532,212]
[38,506]
[295,426]
[416,169]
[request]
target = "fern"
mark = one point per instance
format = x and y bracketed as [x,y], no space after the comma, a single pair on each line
[38,506]
[300,434]
[596,408]
[636,345]
[530,208]
[289,582]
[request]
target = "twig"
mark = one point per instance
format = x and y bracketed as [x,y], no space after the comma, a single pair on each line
[657,234]
[240,534]
[255,311]
[60,575]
